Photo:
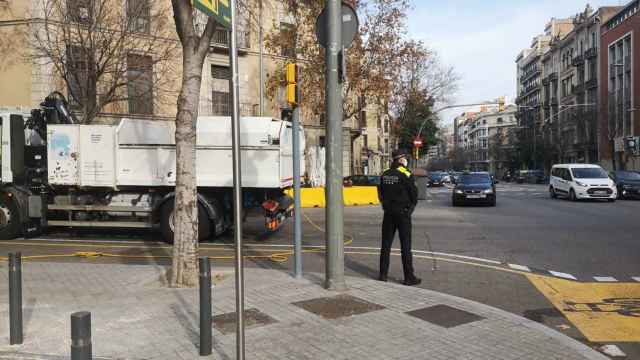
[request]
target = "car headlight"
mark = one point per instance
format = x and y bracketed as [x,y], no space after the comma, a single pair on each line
[458,191]
[488,191]
[581,184]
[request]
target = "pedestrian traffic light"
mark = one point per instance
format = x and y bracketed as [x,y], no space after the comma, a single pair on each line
[501,102]
[292,84]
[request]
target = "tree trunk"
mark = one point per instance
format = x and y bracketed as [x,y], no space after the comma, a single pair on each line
[185,248]
[184,271]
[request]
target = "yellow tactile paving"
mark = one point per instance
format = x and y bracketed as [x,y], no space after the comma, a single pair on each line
[603,312]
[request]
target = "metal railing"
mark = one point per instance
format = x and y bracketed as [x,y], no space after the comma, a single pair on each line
[221,39]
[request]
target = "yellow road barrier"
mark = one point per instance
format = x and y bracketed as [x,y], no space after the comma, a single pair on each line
[353,196]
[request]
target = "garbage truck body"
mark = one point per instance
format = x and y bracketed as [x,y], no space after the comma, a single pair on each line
[58,173]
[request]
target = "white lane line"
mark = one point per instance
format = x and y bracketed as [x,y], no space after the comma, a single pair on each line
[636,278]
[519,267]
[605,279]
[562,275]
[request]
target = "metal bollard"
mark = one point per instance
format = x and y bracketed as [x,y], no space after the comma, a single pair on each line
[81,336]
[15,299]
[205,307]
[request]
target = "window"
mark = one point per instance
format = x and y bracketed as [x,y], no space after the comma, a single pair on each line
[288,34]
[77,67]
[221,97]
[322,119]
[80,11]
[321,141]
[140,84]
[499,121]
[139,15]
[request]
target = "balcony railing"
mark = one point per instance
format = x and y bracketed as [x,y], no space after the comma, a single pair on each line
[577,89]
[592,83]
[577,60]
[591,53]
[220,39]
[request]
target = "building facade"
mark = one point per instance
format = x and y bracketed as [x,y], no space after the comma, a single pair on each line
[620,88]
[490,139]
[570,96]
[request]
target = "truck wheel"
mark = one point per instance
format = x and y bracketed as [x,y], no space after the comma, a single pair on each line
[167,225]
[9,218]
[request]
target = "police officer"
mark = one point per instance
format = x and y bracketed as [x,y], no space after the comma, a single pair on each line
[399,196]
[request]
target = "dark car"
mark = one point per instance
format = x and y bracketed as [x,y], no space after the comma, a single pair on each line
[362,180]
[628,184]
[437,178]
[537,177]
[477,187]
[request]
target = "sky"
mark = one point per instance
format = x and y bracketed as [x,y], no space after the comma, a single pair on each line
[481,39]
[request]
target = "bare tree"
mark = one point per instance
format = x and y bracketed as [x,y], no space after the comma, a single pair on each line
[195,46]
[372,60]
[108,53]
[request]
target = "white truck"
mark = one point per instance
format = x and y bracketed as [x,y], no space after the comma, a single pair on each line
[57,173]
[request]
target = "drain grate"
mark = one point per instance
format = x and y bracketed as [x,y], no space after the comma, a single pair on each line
[339,306]
[445,316]
[253,318]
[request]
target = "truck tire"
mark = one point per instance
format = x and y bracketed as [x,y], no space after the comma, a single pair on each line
[9,218]
[166,222]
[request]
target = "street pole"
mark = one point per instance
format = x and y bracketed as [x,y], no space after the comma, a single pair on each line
[261,58]
[237,182]
[334,236]
[297,208]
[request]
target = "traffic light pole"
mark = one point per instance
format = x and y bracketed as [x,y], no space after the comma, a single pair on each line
[334,236]
[297,209]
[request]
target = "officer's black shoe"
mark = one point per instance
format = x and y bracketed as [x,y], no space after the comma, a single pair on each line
[413,281]
[382,278]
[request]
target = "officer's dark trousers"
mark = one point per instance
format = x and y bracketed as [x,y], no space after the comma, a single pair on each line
[391,223]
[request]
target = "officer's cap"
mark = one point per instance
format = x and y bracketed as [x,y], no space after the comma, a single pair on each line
[400,153]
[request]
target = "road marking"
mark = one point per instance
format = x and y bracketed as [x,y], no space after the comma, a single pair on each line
[613,351]
[603,312]
[562,275]
[605,279]
[519,267]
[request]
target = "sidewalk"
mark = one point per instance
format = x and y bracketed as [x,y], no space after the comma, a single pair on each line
[135,317]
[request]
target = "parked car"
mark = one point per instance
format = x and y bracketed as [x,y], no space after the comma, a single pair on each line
[362,180]
[476,187]
[437,178]
[627,183]
[536,177]
[520,176]
[581,181]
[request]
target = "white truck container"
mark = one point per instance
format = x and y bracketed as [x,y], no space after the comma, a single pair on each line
[123,175]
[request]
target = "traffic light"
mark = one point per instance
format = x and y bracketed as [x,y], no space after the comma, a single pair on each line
[632,145]
[292,84]
[501,102]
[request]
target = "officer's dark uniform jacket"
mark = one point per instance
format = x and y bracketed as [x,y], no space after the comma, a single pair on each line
[397,191]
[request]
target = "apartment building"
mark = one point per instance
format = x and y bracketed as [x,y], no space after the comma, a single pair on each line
[570,89]
[489,137]
[530,74]
[366,137]
[620,89]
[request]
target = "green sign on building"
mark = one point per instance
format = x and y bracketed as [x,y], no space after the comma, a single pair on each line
[219,9]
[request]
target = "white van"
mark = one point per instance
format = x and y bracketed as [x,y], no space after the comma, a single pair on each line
[581,181]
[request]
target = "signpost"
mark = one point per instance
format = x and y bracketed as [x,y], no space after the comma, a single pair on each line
[224,11]
[219,9]
[336,28]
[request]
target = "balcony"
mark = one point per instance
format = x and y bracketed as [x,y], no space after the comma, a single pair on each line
[554,101]
[577,89]
[592,83]
[529,74]
[220,41]
[591,53]
[553,76]
[577,60]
